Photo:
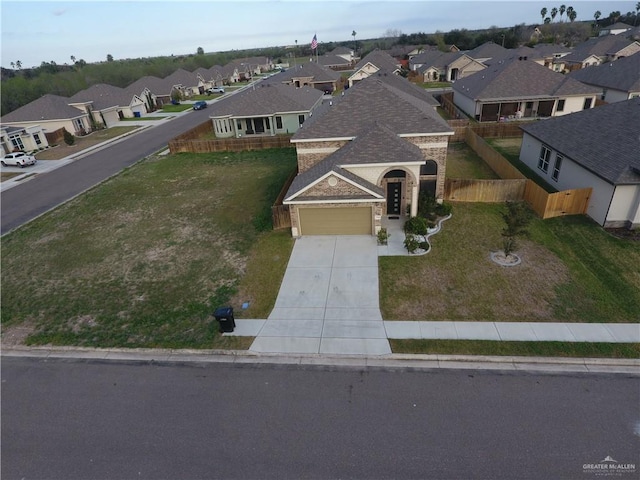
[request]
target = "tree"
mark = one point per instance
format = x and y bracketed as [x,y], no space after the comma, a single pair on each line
[516,218]
[73,59]
[543,13]
[598,14]
[614,16]
[562,10]
[69,139]
[554,12]
[200,51]
[18,64]
[355,45]
[547,20]
[573,15]
[635,21]
[109,57]
[13,64]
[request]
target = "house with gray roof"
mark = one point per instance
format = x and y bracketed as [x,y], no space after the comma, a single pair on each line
[266,109]
[367,157]
[521,89]
[595,148]
[615,29]
[487,52]
[107,104]
[308,74]
[183,81]
[153,90]
[334,62]
[596,51]
[619,80]
[51,113]
[446,67]
[376,61]
[22,139]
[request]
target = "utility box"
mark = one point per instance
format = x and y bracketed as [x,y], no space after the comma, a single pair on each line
[224,317]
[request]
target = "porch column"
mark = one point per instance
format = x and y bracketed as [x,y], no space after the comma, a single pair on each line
[414,200]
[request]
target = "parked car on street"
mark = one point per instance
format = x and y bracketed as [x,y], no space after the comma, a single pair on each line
[199,105]
[215,90]
[18,159]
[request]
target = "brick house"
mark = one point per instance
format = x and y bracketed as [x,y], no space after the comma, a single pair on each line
[370,155]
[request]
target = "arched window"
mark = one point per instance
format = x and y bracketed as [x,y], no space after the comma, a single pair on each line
[429,168]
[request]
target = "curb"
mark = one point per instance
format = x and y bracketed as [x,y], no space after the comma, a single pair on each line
[549,365]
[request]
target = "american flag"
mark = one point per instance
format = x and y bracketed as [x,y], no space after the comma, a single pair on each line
[314,43]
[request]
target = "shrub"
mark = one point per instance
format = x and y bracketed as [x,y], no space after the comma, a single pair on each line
[411,243]
[517,218]
[424,246]
[69,139]
[383,236]
[416,226]
[443,209]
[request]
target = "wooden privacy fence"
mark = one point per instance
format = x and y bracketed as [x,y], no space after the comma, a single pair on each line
[191,141]
[54,137]
[514,186]
[279,212]
[472,190]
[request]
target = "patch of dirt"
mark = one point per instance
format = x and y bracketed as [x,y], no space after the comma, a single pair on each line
[625,233]
[15,335]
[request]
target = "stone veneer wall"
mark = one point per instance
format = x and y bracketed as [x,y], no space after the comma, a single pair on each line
[434,148]
[324,189]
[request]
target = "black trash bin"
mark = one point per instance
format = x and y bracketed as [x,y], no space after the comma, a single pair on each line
[224,316]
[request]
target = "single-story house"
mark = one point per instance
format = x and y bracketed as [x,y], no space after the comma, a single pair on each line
[267,109]
[182,81]
[107,104]
[520,89]
[230,74]
[447,67]
[375,62]
[334,62]
[51,113]
[615,29]
[368,156]
[595,148]
[344,52]
[619,80]
[488,53]
[596,51]
[152,90]
[544,54]
[26,139]
[310,74]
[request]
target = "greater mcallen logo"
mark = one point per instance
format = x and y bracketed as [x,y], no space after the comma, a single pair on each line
[609,467]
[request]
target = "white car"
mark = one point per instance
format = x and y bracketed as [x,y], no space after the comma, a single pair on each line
[215,90]
[18,159]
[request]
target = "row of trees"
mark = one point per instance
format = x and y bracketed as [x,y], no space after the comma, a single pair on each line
[571,13]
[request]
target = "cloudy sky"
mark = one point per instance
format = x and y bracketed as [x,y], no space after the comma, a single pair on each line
[37,31]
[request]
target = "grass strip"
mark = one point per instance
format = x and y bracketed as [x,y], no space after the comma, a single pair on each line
[527,349]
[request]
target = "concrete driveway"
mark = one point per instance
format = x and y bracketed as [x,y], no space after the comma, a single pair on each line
[328,300]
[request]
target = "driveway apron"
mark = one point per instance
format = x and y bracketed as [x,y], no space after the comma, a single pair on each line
[328,300]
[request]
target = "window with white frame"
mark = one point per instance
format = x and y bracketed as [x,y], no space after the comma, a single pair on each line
[560,105]
[36,138]
[16,141]
[279,123]
[543,159]
[556,167]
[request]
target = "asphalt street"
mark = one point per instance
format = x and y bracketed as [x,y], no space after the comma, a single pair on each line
[84,419]
[44,192]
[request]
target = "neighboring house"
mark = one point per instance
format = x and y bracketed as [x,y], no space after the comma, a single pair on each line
[230,74]
[402,52]
[519,89]
[596,51]
[619,80]
[596,148]
[447,67]
[25,139]
[615,29]
[376,61]
[368,156]
[107,104]
[488,53]
[268,109]
[334,62]
[50,113]
[152,90]
[309,74]
[344,53]
[182,81]
[248,67]
[204,79]
[544,54]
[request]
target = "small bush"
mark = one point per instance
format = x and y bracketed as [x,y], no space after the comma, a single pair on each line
[69,139]
[416,226]
[383,236]
[443,209]
[424,246]
[411,243]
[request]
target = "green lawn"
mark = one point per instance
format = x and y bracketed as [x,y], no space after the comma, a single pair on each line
[181,107]
[527,349]
[143,259]
[463,162]
[572,271]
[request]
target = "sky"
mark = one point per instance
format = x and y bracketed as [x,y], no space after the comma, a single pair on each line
[50,30]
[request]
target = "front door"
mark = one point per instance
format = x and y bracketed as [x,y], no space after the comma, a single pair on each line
[393,198]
